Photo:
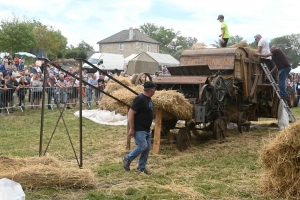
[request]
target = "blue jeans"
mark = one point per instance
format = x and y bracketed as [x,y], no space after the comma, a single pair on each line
[89,95]
[51,94]
[61,97]
[143,141]
[283,73]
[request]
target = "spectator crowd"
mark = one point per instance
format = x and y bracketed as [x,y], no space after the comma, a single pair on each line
[24,85]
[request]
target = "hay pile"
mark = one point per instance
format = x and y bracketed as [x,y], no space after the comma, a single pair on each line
[246,46]
[199,46]
[44,172]
[281,162]
[170,101]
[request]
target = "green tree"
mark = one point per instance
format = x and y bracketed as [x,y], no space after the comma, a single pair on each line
[17,35]
[171,41]
[48,39]
[253,45]
[290,45]
[83,46]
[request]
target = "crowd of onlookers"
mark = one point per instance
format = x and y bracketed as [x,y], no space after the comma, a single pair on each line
[24,82]
[22,86]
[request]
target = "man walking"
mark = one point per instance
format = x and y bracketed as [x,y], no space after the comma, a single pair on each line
[140,118]
[224,31]
[264,48]
[283,66]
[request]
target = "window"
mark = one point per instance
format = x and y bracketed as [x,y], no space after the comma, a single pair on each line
[148,47]
[121,46]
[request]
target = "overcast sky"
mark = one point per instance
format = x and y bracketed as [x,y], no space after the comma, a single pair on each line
[94,20]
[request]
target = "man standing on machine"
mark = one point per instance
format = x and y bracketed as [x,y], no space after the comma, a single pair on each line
[224,31]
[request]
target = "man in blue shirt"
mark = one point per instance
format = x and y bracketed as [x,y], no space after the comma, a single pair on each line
[89,90]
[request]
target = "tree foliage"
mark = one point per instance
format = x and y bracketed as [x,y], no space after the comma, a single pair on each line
[290,45]
[16,35]
[80,51]
[28,35]
[171,41]
[48,39]
[83,46]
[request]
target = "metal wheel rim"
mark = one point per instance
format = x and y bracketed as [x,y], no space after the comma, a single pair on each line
[219,89]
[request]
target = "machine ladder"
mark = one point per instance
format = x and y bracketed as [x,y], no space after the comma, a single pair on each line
[276,88]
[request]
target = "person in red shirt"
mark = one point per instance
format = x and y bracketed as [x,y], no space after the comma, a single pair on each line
[17,62]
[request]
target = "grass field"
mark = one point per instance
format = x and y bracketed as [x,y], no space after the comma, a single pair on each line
[208,170]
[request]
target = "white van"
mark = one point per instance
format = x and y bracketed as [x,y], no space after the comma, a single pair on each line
[105,62]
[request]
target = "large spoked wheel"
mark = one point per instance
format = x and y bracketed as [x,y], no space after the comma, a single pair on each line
[143,78]
[220,128]
[206,96]
[243,122]
[219,89]
[183,139]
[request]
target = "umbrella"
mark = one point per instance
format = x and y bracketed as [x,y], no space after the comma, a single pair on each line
[26,54]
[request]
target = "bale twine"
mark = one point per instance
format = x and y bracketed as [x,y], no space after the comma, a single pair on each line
[45,172]
[281,164]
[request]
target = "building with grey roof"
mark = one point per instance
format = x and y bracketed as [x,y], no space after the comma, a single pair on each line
[127,42]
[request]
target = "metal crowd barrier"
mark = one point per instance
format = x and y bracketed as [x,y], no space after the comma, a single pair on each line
[31,98]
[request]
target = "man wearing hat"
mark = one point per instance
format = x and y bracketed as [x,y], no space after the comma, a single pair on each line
[264,48]
[283,66]
[140,117]
[224,31]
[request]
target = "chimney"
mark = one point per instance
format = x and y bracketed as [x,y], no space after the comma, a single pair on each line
[130,33]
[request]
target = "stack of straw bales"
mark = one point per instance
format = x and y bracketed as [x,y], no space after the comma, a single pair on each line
[281,162]
[246,46]
[170,101]
[199,46]
[44,172]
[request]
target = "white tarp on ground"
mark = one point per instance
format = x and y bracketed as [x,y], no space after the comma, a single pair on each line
[11,190]
[283,116]
[104,117]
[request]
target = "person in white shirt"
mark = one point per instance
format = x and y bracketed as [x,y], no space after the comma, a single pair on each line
[264,48]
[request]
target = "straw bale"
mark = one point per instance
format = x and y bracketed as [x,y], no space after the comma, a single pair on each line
[199,46]
[246,46]
[280,157]
[125,80]
[44,172]
[112,87]
[42,176]
[110,104]
[172,102]
[242,43]
[133,78]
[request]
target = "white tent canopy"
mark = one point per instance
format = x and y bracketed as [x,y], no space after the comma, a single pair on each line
[164,59]
[128,58]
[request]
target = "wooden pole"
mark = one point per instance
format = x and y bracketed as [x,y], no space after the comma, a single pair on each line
[157,130]
[128,136]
